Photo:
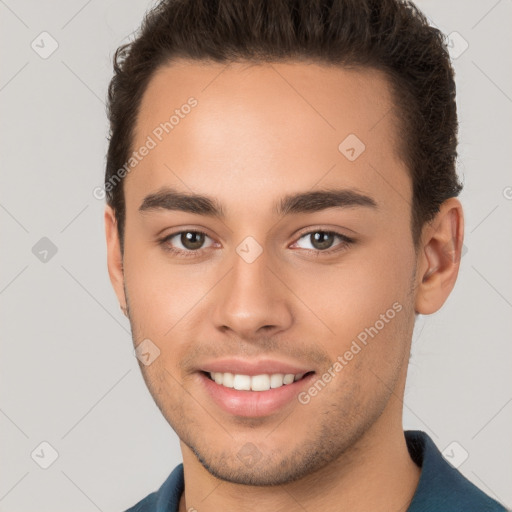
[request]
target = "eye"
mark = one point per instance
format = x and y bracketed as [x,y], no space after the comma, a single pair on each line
[321,241]
[191,242]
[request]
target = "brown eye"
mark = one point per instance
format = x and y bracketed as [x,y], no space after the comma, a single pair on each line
[192,240]
[323,242]
[322,239]
[186,243]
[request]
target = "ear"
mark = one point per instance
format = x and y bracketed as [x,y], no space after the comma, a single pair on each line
[439,257]
[114,257]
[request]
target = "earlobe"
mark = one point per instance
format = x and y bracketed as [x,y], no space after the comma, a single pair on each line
[439,258]
[114,257]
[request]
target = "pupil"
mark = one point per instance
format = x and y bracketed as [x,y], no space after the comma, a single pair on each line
[192,241]
[320,237]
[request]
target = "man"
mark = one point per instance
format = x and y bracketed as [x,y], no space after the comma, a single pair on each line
[281,204]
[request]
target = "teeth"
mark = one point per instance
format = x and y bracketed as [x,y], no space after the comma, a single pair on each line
[276,380]
[262,382]
[288,378]
[242,382]
[227,379]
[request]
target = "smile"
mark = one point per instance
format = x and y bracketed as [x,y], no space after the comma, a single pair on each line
[262,382]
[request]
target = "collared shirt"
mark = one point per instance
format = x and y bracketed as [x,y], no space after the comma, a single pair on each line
[441,487]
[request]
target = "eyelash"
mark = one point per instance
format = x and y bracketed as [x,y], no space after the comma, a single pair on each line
[345,242]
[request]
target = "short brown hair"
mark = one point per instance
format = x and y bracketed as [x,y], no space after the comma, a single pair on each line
[389,35]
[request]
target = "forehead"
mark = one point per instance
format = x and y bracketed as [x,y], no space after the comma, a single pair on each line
[266,128]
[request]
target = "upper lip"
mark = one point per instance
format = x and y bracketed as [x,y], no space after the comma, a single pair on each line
[251,368]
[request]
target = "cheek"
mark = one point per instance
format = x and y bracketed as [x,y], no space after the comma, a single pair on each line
[352,295]
[365,304]
[161,296]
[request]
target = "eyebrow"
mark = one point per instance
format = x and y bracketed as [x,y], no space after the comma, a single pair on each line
[302,202]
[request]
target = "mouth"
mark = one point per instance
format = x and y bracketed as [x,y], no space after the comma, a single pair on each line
[253,390]
[259,383]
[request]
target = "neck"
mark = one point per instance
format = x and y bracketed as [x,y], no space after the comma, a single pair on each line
[376,474]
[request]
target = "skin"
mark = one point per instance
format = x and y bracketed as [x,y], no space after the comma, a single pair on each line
[260,132]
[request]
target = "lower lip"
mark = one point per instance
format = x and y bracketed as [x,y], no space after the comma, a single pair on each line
[253,404]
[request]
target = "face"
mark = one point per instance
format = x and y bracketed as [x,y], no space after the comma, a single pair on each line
[291,283]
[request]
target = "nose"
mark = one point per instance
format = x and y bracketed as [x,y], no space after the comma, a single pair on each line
[252,300]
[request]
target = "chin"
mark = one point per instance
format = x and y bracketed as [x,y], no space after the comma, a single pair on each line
[266,469]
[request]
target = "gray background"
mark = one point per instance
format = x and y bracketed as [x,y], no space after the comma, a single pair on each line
[67,369]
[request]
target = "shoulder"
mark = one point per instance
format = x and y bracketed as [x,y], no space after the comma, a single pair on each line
[167,498]
[442,487]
